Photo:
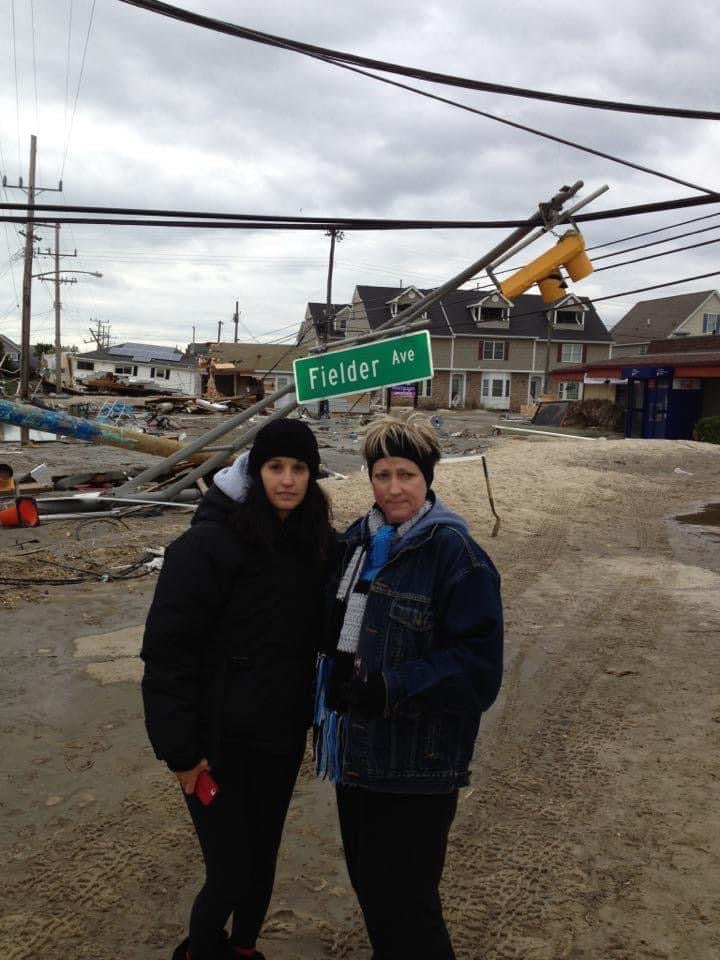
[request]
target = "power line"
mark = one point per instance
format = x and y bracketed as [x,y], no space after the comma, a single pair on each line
[77,92]
[656,286]
[654,256]
[67,74]
[344,61]
[655,243]
[526,129]
[340,57]
[648,233]
[17,95]
[32,24]
[259,221]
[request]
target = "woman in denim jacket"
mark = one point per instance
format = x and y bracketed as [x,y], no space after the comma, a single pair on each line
[418,660]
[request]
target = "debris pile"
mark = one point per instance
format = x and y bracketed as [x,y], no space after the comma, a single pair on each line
[602,414]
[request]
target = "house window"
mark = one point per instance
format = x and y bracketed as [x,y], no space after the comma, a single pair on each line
[495,316]
[570,390]
[85,365]
[124,369]
[159,373]
[425,388]
[492,350]
[489,314]
[570,317]
[571,353]
[711,323]
[340,324]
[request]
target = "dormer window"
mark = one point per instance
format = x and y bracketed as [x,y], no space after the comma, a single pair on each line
[492,311]
[570,314]
[340,323]
[404,300]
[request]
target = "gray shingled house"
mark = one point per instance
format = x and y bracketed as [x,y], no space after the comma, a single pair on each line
[684,315]
[488,351]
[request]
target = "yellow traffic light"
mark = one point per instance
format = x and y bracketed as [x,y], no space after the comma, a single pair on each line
[569,252]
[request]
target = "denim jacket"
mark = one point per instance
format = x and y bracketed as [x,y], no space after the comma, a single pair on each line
[433,626]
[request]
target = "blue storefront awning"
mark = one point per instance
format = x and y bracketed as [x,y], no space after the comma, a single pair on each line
[645,373]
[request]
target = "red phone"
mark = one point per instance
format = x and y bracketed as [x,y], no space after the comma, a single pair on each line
[205,788]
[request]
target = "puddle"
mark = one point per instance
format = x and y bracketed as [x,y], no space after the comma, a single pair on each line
[709,516]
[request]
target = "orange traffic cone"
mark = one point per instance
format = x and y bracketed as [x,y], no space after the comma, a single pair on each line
[22,513]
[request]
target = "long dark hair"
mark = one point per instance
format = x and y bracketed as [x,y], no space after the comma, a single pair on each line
[308,528]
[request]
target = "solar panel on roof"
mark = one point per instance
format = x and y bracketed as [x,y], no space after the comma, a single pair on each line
[146,352]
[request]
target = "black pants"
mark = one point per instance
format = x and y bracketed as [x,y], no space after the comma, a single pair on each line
[395,852]
[239,834]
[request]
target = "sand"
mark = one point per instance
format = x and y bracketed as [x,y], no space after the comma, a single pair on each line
[590,829]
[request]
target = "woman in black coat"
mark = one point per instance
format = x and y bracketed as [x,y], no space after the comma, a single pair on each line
[230,647]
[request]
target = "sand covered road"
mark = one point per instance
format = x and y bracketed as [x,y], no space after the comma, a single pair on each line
[591,827]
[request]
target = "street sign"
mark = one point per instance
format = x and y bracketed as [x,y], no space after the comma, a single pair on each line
[384,363]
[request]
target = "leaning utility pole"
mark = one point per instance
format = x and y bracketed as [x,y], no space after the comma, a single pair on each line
[221,324]
[101,335]
[236,320]
[414,317]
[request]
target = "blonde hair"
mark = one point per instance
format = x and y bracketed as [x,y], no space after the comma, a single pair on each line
[386,436]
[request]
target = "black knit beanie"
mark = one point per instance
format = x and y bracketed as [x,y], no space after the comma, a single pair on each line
[403,448]
[285,438]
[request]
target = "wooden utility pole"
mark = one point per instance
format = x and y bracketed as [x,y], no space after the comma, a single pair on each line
[236,320]
[221,324]
[27,277]
[323,331]
[58,341]
[27,269]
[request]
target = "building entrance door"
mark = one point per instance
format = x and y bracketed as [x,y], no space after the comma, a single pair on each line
[457,390]
[495,390]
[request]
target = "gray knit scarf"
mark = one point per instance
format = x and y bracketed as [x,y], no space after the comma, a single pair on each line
[356,600]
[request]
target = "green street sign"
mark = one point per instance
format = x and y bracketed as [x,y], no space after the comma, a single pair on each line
[384,363]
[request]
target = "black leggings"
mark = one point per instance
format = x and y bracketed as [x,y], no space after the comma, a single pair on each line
[239,834]
[395,852]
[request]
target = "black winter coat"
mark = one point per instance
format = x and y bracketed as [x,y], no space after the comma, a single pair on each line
[230,642]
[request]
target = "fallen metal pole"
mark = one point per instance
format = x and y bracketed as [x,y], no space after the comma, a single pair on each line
[103,434]
[398,330]
[154,471]
[217,460]
[547,215]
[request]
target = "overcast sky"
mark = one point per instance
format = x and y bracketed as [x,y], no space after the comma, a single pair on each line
[172,116]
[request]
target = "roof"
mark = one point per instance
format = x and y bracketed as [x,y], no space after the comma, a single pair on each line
[250,357]
[451,316]
[9,345]
[685,344]
[139,353]
[317,310]
[670,358]
[657,319]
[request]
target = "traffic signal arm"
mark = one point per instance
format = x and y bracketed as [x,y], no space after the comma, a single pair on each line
[568,252]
